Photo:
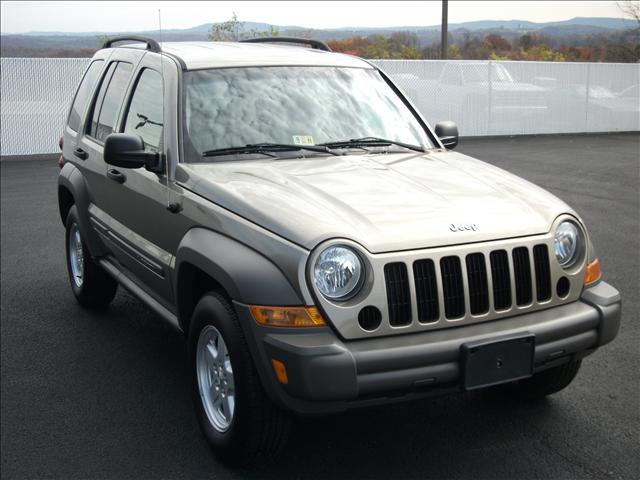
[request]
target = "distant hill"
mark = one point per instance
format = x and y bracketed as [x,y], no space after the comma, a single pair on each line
[53,43]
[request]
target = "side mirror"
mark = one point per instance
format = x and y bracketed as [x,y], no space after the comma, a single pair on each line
[447,132]
[127,151]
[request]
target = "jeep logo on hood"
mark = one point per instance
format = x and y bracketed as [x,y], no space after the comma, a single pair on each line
[462,227]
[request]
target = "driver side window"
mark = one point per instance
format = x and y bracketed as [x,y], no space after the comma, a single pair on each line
[145,115]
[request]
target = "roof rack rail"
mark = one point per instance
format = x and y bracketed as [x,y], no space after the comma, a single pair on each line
[152,45]
[316,44]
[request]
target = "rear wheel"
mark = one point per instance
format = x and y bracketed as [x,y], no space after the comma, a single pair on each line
[238,420]
[91,285]
[546,382]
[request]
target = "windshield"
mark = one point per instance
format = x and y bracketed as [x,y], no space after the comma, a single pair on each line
[232,107]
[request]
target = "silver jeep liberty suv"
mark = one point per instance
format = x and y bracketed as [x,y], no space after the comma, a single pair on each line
[318,243]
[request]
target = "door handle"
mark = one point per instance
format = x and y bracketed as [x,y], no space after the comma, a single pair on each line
[116,176]
[80,153]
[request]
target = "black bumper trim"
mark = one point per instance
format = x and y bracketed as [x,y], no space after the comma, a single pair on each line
[327,374]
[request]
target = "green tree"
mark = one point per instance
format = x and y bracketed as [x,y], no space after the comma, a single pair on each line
[454,53]
[543,53]
[527,41]
[233,30]
[226,31]
[399,45]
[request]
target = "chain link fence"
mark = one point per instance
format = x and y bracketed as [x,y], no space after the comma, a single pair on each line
[482,97]
[522,98]
[35,97]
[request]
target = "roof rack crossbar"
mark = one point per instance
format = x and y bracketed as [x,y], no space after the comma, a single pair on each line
[152,45]
[317,44]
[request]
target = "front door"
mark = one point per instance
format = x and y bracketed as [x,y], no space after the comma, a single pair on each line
[136,199]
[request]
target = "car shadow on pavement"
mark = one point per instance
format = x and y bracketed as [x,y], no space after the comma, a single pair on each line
[442,438]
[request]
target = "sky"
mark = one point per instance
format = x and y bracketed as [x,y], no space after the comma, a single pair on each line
[20,17]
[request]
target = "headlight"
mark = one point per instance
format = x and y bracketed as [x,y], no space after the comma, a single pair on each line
[338,273]
[568,243]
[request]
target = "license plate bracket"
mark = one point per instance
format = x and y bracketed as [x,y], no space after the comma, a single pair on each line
[498,360]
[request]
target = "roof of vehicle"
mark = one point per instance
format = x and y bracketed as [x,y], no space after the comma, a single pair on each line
[198,55]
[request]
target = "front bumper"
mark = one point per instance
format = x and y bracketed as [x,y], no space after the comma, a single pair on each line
[327,374]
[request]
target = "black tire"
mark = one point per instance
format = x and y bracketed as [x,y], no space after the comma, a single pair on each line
[258,429]
[546,382]
[96,288]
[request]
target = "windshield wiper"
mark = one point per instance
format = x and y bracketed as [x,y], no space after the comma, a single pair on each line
[266,148]
[370,142]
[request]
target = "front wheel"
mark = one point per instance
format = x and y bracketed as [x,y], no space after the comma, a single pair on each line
[91,285]
[238,420]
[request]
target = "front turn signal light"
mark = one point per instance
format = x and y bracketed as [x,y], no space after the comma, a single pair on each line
[287,316]
[280,371]
[593,272]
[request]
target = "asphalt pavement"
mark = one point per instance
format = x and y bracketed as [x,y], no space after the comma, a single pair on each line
[105,395]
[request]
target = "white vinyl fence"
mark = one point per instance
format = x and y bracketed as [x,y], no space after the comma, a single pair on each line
[482,97]
[522,98]
[35,96]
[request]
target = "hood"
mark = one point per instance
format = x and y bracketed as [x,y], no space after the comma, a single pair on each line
[384,202]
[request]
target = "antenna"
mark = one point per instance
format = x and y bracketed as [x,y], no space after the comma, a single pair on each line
[164,130]
[173,207]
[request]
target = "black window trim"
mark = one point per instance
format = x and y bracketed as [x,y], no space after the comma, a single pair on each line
[91,95]
[89,123]
[95,98]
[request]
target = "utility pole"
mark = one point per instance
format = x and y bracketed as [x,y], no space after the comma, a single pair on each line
[443,30]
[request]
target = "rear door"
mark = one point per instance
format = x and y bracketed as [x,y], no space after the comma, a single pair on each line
[73,151]
[100,120]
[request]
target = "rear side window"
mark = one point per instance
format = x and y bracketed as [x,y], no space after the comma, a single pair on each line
[145,116]
[108,101]
[82,96]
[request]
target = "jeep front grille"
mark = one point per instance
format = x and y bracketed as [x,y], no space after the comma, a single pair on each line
[469,289]
[522,274]
[478,288]
[452,287]
[424,274]
[398,298]
[500,273]
[543,273]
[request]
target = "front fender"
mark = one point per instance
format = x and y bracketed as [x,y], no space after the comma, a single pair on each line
[246,275]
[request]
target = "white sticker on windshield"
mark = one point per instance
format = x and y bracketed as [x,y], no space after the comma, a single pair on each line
[303,140]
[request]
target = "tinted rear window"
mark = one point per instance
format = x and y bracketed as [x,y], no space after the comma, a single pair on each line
[82,96]
[109,100]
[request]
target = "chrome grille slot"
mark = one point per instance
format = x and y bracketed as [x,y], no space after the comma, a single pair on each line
[452,286]
[424,274]
[398,295]
[501,280]
[478,289]
[543,272]
[522,274]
